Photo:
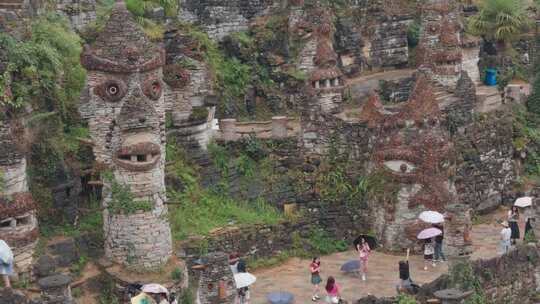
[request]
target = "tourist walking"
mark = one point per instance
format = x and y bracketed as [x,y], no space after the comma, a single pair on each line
[513,217]
[428,253]
[528,227]
[506,234]
[332,291]
[315,269]
[363,253]
[439,254]
[6,263]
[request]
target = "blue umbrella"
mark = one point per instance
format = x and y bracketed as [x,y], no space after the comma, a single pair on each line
[280,297]
[351,266]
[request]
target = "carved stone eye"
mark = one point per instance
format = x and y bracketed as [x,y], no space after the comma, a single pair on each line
[111,90]
[152,89]
[399,166]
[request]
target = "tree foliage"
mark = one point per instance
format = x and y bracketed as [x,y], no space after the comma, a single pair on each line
[500,20]
[44,70]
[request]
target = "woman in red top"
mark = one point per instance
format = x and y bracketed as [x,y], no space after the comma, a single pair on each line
[315,269]
[363,253]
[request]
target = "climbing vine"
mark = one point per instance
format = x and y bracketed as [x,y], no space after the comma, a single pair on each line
[122,199]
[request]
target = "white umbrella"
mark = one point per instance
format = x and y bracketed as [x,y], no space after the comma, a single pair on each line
[429,233]
[154,288]
[244,279]
[6,255]
[432,217]
[525,201]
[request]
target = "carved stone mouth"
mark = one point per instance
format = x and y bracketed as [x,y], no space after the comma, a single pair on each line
[138,157]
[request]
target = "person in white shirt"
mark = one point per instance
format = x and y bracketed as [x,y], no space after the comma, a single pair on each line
[6,263]
[506,234]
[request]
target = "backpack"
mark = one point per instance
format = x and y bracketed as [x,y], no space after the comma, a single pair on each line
[241,267]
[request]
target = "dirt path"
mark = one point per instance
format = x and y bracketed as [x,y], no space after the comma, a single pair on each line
[293,276]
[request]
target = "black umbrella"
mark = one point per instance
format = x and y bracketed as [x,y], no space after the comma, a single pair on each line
[372,242]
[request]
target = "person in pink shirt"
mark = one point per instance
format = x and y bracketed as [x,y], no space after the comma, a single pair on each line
[363,252]
[332,291]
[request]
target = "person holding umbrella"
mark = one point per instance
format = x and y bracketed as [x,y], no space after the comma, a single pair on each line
[363,252]
[315,269]
[439,254]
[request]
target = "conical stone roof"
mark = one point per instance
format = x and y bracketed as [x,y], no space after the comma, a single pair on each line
[122,46]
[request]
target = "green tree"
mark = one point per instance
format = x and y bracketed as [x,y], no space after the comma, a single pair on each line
[500,20]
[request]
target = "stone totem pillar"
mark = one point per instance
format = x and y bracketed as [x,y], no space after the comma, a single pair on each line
[126,117]
[439,45]
[18,222]
[216,281]
[457,229]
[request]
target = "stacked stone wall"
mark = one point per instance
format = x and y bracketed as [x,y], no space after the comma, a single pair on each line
[80,13]
[220,18]
[485,169]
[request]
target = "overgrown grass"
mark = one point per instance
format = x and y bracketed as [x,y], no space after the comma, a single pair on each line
[196,211]
[317,243]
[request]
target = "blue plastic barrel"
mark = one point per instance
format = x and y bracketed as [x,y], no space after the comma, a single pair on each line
[491,77]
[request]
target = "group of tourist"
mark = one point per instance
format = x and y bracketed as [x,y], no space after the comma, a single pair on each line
[510,232]
[331,288]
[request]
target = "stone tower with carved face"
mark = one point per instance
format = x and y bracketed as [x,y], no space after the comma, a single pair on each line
[125,110]
[439,47]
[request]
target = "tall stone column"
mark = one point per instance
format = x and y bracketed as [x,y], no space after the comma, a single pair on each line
[18,222]
[457,230]
[126,118]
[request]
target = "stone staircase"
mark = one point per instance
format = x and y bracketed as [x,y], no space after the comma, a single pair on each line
[11,4]
[488,98]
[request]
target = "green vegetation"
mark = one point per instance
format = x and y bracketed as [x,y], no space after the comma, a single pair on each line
[2,182]
[196,211]
[413,33]
[318,242]
[43,70]
[231,76]
[530,238]
[177,274]
[122,199]
[527,138]
[406,299]
[462,277]
[500,20]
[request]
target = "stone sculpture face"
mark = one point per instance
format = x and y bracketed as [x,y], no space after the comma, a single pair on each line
[413,151]
[126,117]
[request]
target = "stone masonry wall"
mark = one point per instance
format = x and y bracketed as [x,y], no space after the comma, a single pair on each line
[485,168]
[79,12]
[219,18]
[378,40]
